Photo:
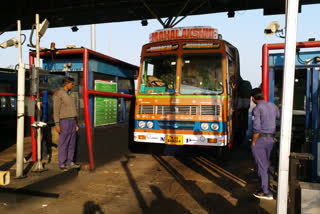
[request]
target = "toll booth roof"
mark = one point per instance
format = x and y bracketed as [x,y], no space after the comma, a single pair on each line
[73,53]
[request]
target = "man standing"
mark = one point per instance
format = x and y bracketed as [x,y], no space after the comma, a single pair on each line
[264,119]
[65,118]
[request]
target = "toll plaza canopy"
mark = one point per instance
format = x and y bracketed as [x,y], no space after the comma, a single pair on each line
[80,12]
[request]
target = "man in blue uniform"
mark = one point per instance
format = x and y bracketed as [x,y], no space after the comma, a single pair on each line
[264,117]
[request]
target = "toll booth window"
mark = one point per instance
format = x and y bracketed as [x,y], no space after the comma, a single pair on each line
[81,119]
[125,86]
[101,76]
[201,74]
[8,104]
[55,81]
[76,91]
[158,74]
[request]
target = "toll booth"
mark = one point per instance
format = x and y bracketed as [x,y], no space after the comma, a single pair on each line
[8,90]
[8,107]
[305,123]
[103,89]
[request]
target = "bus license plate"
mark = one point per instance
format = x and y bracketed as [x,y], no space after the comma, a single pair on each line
[174,139]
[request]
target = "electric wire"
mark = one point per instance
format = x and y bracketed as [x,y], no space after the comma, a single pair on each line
[25,38]
[304,61]
[30,39]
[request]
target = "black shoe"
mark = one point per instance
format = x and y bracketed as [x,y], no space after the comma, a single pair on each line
[72,165]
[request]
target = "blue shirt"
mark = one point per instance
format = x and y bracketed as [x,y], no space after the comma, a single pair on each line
[264,118]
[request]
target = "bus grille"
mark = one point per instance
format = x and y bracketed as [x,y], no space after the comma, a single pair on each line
[210,110]
[176,125]
[180,110]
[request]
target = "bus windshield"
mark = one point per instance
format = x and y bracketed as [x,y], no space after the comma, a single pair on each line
[158,75]
[201,73]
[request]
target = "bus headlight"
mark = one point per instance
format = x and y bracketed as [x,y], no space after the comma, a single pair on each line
[215,126]
[150,124]
[204,126]
[142,124]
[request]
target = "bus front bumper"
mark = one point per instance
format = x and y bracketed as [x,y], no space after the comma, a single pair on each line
[179,139]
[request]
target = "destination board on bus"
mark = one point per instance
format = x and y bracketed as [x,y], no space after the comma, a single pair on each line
[105,108]
[184,33]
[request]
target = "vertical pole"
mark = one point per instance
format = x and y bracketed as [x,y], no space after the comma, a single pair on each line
[38,167]
[315,121]
[91,97]
[265,71]
[20,109]
[287,103]
[86,106]
[307,125]
[19,42]
[45,103]
[117,81]
[123,103]
[271,84]
[37,41]
[93,37]
[32,120]
[38,96]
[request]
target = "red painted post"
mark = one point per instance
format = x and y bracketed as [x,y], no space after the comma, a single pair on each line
[8,94]
[33,139]
[110,94]
[86,106]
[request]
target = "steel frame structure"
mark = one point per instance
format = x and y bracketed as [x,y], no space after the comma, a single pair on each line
[87,91]
[312,93]
[265,61]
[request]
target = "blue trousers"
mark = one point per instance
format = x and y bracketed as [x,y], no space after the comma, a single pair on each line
[67,141]
[261,153]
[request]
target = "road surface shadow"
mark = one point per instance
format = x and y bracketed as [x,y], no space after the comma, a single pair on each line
[212,202]
[7,166]
[27,192]
[161,204]
[92,208]
[43,188]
